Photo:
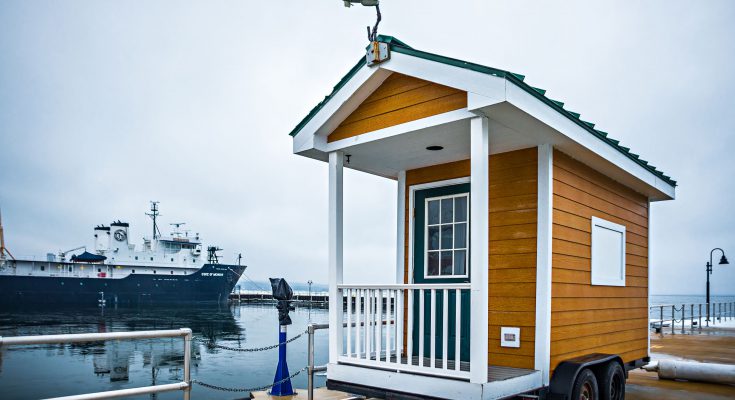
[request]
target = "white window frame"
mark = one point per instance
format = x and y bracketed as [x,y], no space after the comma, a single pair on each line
[426,238]
[599,223]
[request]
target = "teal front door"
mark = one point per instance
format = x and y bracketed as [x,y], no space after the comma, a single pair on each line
[441,255]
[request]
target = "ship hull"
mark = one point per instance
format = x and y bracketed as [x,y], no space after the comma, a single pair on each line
[211,284]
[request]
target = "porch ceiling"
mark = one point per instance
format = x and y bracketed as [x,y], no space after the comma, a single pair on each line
[387,156]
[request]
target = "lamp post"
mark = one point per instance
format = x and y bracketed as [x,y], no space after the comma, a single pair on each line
[723,261]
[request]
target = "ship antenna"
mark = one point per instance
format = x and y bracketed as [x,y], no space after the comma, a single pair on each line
[154,214]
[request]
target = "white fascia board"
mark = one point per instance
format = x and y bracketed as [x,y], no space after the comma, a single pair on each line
[415,384]
[509,388]
[344,102]
[406,127]
[423,385]
[536,108]
[491,87]
[477,101]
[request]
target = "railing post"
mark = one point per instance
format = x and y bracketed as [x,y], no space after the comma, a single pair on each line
[683,314]
[673,319]
[691,313]
[310,367]
[661,321]
[699,324]
[187,362]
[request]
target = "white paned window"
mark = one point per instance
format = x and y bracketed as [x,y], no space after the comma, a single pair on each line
[446,240]
[608,253]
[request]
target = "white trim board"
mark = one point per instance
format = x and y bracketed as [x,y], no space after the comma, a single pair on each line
[542,352]
[432,386]
[400,226]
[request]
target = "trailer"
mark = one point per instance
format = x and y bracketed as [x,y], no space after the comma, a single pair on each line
[522,235]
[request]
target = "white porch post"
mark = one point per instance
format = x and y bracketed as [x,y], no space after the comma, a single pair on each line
[336,162]
[543,261]
[479,225]
[400,226]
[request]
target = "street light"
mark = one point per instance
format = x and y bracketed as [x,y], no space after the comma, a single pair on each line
[723,261]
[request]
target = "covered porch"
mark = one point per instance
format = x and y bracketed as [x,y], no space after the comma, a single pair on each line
[426,331]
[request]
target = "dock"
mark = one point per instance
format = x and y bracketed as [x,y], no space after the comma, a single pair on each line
[713,345]
[316,299]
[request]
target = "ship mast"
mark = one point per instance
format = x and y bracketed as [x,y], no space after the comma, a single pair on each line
[154,214]
[3,249]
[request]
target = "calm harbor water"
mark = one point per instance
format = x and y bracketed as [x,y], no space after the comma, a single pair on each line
[32,372]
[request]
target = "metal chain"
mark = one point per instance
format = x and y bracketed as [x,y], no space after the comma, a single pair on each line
[253,389]
[211,344]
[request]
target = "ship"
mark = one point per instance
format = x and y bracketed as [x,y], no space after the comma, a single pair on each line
[165,269]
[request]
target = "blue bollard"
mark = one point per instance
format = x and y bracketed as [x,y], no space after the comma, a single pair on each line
[284,388]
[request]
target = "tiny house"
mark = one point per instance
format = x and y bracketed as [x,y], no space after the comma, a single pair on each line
[522,250]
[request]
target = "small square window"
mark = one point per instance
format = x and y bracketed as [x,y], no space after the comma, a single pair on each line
[446,232]
[608,253]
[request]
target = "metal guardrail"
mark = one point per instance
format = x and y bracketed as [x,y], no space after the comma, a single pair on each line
[310,368]
[712,313]
[184,385]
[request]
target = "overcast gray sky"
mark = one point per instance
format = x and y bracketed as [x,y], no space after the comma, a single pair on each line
[107,105]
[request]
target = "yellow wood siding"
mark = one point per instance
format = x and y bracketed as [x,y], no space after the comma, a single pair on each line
[512,254]
[399,99]
[512,246]
[585,318]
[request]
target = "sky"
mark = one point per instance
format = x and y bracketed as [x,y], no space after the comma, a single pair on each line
[107,105]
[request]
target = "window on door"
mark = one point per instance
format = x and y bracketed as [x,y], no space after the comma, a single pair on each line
[447,236]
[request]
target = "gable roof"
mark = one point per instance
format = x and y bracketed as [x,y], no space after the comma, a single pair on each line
[517,79]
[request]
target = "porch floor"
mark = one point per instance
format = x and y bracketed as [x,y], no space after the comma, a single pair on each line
[494,372]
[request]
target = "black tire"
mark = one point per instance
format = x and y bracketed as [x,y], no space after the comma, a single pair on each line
[612,382]
[585,386]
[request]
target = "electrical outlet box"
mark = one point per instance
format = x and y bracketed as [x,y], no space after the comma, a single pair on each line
[510,337]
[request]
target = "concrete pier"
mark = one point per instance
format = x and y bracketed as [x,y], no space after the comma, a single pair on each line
[716,345]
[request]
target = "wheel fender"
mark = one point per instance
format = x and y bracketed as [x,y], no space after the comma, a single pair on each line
[562,381]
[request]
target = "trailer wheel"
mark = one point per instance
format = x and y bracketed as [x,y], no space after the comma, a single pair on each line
[612,382]
[585,386]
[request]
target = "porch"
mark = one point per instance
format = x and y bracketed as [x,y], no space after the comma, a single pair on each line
[426,333]
[407,338]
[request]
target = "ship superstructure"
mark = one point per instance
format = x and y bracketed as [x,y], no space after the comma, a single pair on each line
[164,268]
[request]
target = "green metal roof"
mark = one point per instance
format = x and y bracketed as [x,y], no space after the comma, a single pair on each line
[517,79]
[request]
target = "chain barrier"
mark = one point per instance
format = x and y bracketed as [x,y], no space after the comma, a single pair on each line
[211,344]
[252,389]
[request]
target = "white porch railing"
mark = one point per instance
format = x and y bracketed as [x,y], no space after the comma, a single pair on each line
[378,316]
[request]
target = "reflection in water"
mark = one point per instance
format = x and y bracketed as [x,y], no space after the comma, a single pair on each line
[113,357]
[65,369]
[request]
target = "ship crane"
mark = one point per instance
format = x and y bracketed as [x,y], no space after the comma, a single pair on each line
[62,254]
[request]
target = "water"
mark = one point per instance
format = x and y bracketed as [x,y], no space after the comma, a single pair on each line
[40,371]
